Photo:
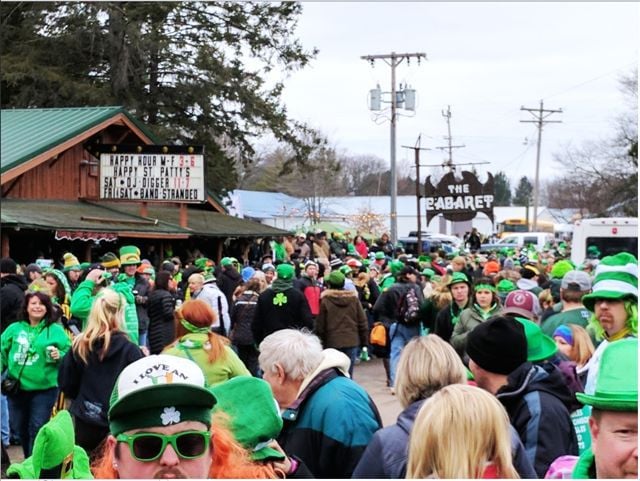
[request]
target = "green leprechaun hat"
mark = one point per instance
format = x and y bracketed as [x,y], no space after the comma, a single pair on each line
[129,255]
[617,378]
[616,278]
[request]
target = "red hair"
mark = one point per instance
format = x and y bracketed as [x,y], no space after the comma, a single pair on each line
[200,314]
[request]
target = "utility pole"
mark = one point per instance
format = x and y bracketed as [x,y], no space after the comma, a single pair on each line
[416,150]
[540,115]
[449,147]
[393,60]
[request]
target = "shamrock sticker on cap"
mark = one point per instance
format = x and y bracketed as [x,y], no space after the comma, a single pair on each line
[170,416]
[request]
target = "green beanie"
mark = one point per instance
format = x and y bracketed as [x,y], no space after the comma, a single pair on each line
[335,280]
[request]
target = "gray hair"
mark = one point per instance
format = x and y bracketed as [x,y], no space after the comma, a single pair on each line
[299,353]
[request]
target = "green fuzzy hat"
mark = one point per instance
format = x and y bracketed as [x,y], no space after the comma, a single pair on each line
[71,263]
[506,285]
[255,418]
[616,277]
[129,255]
[539,345]
[54,453]
[617,378]
[285,271]
[560,268]
[335,280]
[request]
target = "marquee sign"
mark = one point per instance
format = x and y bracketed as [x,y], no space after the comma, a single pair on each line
[152,173]
[459,199]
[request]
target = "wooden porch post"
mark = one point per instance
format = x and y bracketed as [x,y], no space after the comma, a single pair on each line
[5,244]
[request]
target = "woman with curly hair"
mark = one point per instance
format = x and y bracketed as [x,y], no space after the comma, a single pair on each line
[197,342]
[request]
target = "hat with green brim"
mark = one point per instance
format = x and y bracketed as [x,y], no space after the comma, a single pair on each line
[457,278]
[380,255]
[428,273]
[255,419]
[539,345]
[159,390]
[396,266]
[616,278]
[506,286]
[129,256]
[617,378]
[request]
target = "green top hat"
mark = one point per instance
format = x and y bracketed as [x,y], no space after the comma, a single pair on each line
[129,255]
[616,278]
[255,419]
[617,378]
[457,278]
[539,345]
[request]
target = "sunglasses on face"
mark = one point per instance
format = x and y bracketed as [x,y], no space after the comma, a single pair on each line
[148,447]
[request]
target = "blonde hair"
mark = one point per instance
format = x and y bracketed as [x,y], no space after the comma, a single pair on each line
[106,316]
[457,432]
[426,365]
[545,298]
[582,348]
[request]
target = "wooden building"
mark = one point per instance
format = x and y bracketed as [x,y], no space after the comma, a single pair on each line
[51,195]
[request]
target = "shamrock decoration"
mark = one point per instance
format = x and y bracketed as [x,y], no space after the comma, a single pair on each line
[170,416]
[280,299]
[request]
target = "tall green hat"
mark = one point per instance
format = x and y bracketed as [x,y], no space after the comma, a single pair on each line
[617,378]
[54,453]
[457,278]
[254,415]
[539,345]
[616,278]
[129,255]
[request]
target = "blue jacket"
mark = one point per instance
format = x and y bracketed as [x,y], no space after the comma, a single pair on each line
[387,454]
[331,422]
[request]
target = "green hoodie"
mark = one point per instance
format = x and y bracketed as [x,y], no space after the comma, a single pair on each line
[82,300]
[20,339]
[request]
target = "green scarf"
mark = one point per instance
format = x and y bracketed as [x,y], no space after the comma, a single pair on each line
[281,285]
[585,468]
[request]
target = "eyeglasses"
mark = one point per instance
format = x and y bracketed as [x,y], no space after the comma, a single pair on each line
[148,447]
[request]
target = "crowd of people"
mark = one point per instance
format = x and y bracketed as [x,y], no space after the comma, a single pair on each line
[515,363]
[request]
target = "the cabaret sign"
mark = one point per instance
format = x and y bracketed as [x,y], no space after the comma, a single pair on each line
[459,199]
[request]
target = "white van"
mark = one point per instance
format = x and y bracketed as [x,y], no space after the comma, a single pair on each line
[610,235]
[521,239]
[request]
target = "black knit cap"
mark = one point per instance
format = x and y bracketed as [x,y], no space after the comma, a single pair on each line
[8,266]
[498,345]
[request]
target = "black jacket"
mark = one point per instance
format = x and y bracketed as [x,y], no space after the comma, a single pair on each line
[162,330]
[242,313]
[538,400]
[90,385]
[141,293]
[386,308]
[289,311]
[12,289]
[444,325]
[227,281]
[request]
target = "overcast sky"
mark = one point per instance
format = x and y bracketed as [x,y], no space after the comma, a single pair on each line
[485,60]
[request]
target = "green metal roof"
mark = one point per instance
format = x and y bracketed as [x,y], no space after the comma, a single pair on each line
[119,217]
[26,133]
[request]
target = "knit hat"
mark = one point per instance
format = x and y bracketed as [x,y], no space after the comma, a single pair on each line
[254,414]
[268,267]
[617,378]
[159,390]
[576,281]
[335,263]
[539,345]
[310,263]
[498,345]
[8,266]
[285,271]
[457,278]
[565,333]
[129,255]
[560,268]
[110,260]
[32,268]
[616,277]
[335,280]
[71,263]
[505,286]
[522,303]
[54,455]
[491,267]
[247,273]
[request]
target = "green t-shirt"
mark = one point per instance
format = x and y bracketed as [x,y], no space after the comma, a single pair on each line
[578,316]
[214,372]
[20,340]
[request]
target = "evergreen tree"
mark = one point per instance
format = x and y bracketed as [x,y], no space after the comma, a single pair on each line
[502,196]
[524,193]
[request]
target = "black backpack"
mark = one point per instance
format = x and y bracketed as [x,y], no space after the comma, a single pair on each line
[408,307]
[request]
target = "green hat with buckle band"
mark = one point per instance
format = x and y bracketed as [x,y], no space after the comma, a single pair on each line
[457,278]
[616,278]
[617,378]
[129,255]
[255,419]
[159,390]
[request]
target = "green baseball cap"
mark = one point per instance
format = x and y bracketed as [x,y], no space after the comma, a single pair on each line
[457,278]
[617,378]
[159,390]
